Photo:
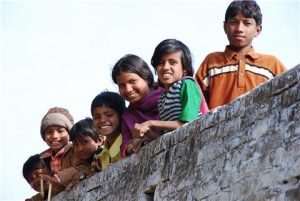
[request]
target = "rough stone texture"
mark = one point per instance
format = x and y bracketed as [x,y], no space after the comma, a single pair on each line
[246,150]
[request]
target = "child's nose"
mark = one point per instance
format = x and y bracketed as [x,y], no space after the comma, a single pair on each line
[166,66]
[55,134]
[240,26]
[128,88]
[102,120]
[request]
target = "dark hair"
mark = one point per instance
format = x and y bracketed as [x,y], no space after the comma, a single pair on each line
[249,8]
[109,99]
[31,164]
[171,46]
[84,128]
[131,63]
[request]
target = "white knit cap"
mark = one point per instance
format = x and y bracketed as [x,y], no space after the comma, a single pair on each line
[55,119]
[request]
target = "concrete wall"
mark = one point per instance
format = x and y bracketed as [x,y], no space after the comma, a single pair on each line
[247,150]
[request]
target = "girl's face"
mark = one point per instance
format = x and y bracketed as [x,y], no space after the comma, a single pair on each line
[85,147]
[107,121]
[132,87]
[170,70]
[56,137]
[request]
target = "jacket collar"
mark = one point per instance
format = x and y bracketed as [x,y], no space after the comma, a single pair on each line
[231,55]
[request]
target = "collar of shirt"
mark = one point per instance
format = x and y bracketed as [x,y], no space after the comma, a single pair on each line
[62,151]
[110,152]
[231,55]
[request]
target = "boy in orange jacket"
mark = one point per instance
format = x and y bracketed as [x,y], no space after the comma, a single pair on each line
[223,76]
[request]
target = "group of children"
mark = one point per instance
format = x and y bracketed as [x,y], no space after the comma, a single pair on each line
[116,131]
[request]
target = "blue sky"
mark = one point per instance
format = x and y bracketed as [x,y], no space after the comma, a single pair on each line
[60,53]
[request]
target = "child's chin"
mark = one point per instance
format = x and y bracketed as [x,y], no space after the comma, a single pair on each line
[56,148]
[84,157]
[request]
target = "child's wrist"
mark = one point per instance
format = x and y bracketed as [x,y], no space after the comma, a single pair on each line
[55,176]
[150,124]
[129,149]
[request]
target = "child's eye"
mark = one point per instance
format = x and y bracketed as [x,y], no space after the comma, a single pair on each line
[109,115]
[248,23]
[132,81]
[233,22]
[121,86]
[47,132]
[96,117]
[161,63]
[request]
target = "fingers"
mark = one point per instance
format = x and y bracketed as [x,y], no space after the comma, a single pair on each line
[49,179]
[75,180]
[137,144]
[140,130]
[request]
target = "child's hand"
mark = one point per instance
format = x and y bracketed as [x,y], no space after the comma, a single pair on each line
[140,130]
[137,143]
[134,145]
[50,179]
[78,176]
[152,136]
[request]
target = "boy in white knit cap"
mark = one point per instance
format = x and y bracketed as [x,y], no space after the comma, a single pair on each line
[60,158]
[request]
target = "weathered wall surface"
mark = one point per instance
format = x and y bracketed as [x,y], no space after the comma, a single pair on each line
[247,150]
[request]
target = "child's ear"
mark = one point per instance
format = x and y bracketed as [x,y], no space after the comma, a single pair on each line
[258,30]
[224,27]
[101,140]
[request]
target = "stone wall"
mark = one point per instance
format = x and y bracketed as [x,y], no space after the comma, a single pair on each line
[246,150]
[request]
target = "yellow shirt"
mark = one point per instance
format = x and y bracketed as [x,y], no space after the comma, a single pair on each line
[110,154]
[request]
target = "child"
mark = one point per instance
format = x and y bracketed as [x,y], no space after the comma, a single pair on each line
[136,85]
[86,143]
[182,100]
[32,170]
[223,76]
[60,158]
[107,109]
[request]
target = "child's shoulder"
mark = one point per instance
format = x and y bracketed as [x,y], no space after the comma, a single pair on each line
[215,54]
[184,82]
[215,57]
[268,57]
[188,80]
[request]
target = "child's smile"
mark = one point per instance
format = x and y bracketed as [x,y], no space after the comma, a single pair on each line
[106,120]
[132,87]
[105,129]
[169,69]
[56,137]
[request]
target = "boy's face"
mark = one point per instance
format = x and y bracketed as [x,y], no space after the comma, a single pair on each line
[56,137]
[85,147]
[107,121]
[241,31]
[169,69]
[34,179]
